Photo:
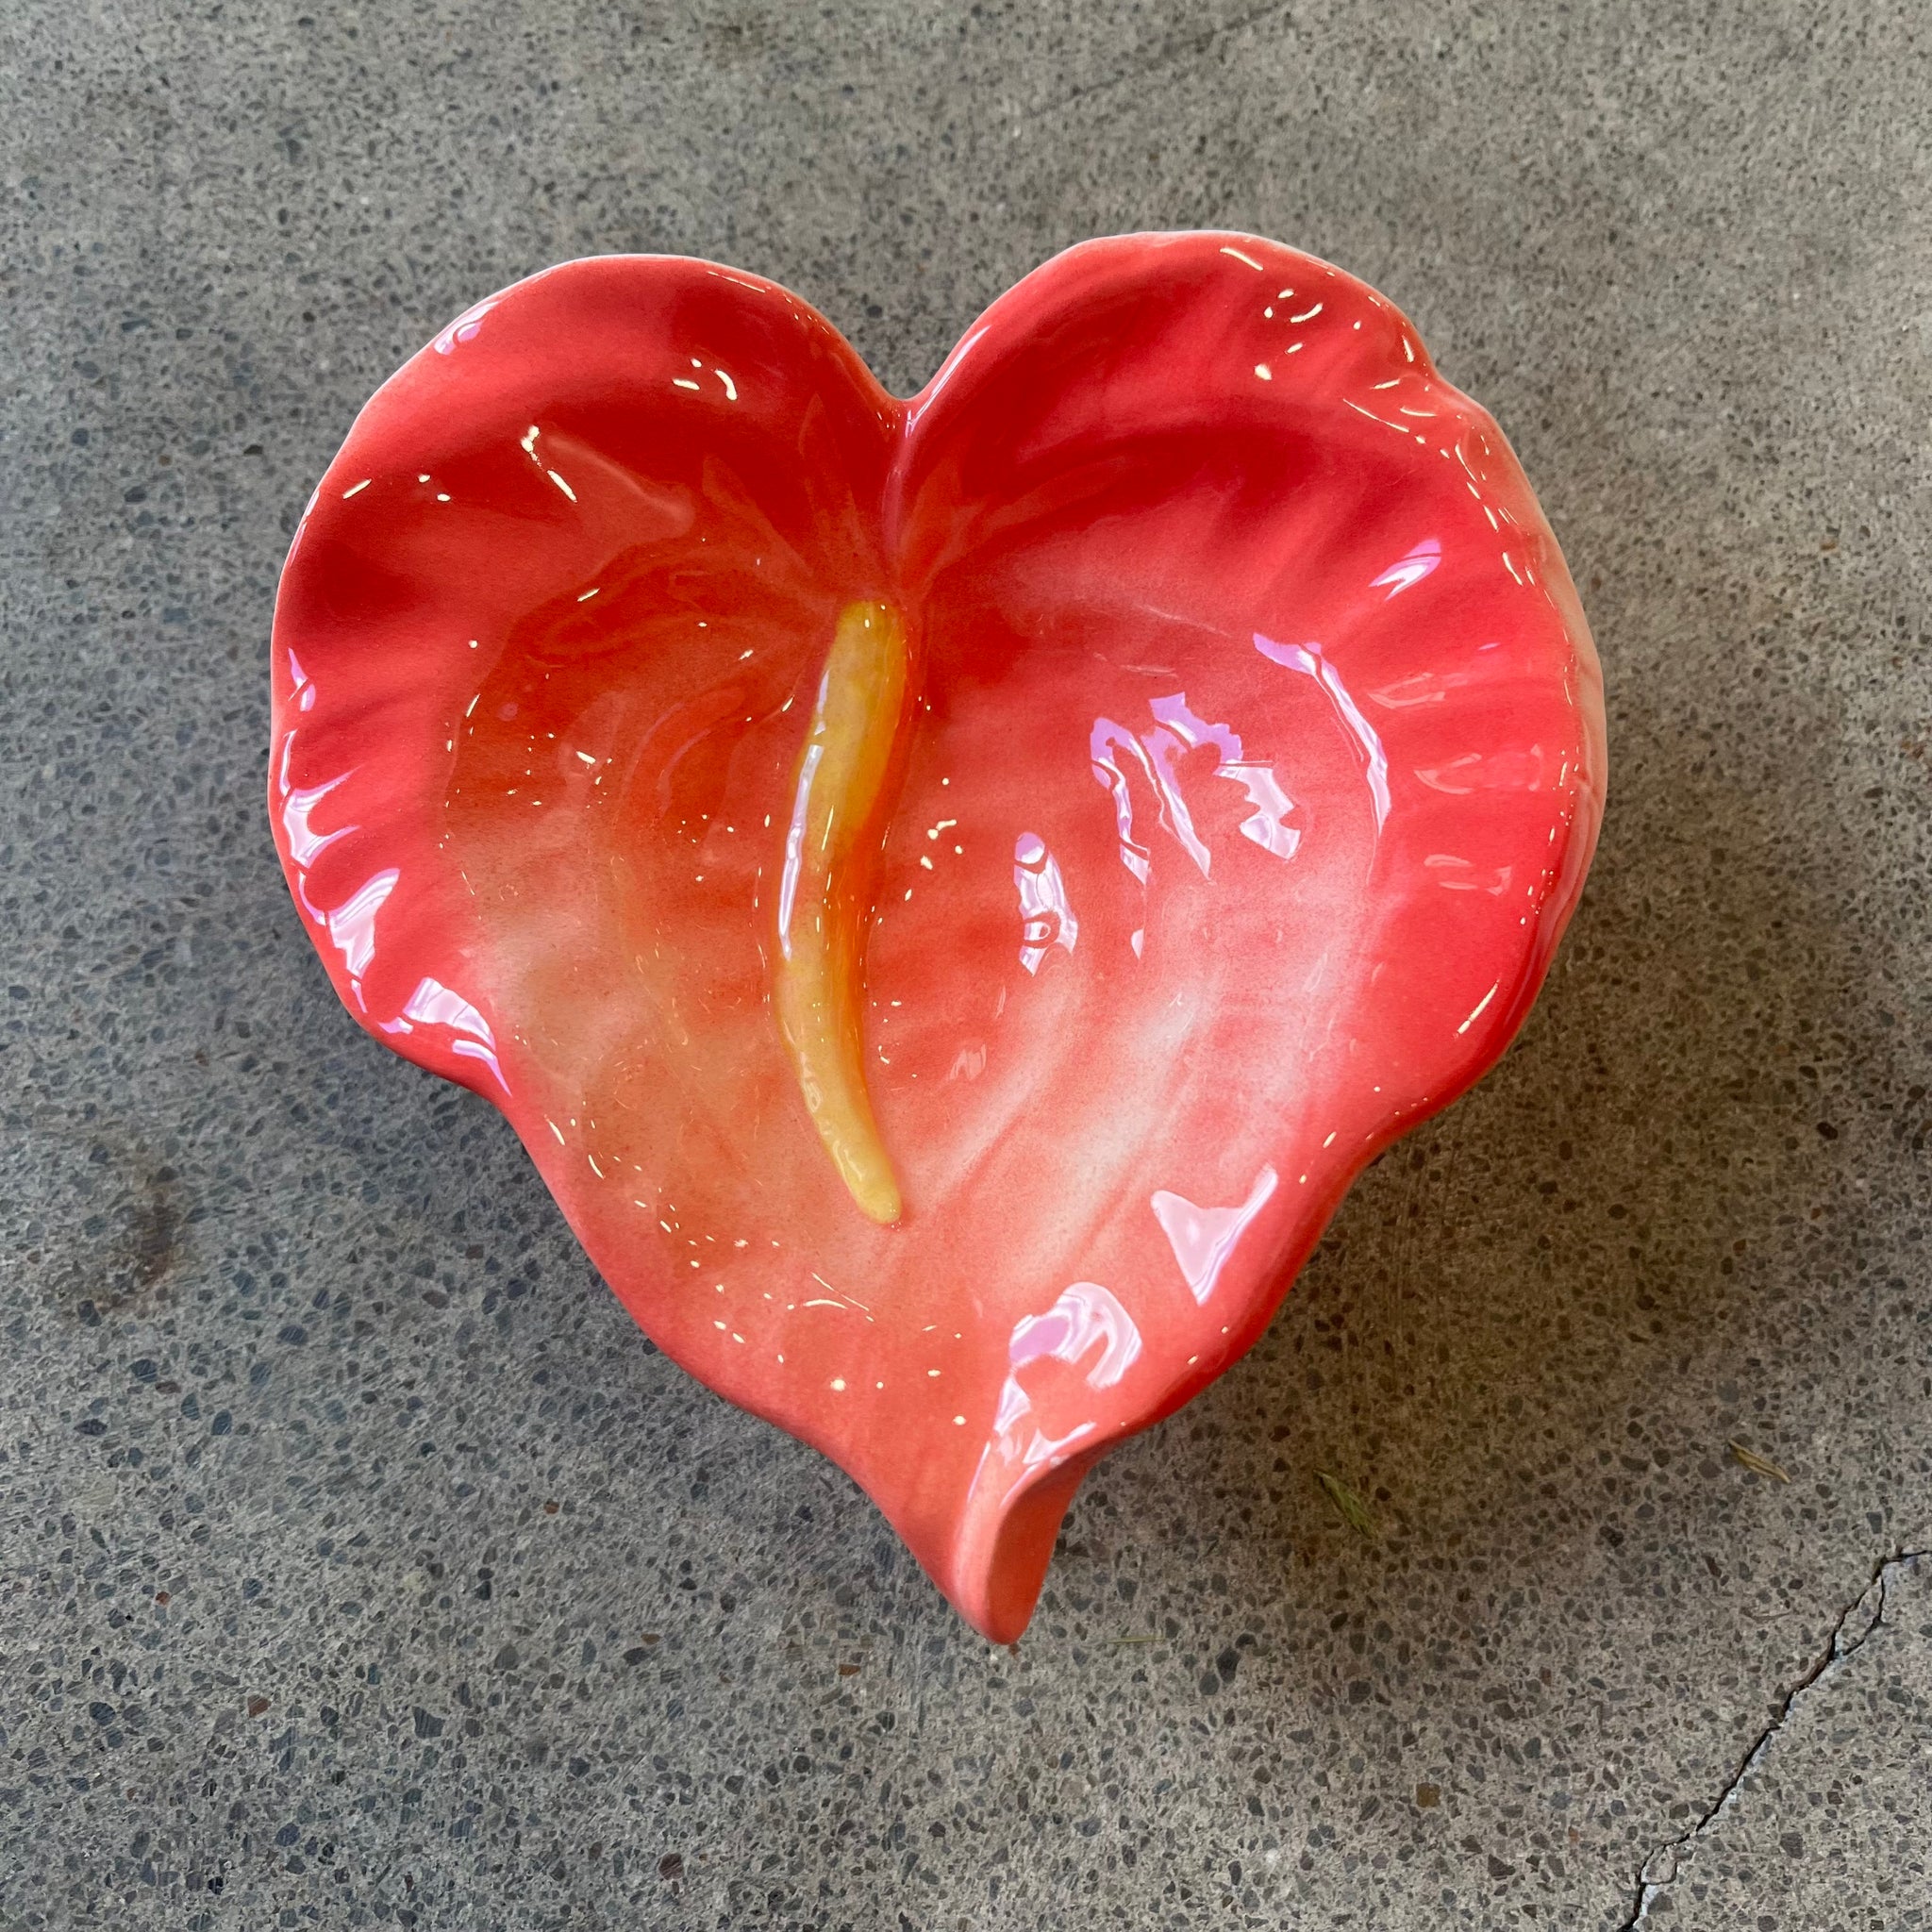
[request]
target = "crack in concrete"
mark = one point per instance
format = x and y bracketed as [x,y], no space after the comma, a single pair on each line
[1859,1619]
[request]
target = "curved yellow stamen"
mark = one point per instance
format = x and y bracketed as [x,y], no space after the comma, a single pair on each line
[824,900]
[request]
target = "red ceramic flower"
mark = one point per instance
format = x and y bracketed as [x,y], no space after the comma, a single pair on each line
[949,892]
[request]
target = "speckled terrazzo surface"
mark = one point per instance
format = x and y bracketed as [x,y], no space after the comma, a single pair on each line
[359,1565]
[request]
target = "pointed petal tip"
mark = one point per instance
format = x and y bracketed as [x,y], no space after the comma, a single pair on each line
[1001,1551]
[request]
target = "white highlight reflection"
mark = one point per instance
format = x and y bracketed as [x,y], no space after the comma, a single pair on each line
[306,844]
[1204,1239]
[1309,660]
[435,1005]
[464,328]
[1115,751]
[1266,825]
[1411,569]
[1164,749]
[795,841]
[352,924]
[1046,915]
[1480,1004]
[1103,742]
[1461,874]
[1085,1317]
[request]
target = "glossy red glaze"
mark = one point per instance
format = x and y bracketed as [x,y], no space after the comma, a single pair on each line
[1257,763]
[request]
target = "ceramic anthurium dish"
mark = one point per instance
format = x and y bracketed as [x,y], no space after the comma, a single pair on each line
[949,892]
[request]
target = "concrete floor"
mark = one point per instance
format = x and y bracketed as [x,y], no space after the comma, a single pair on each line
[358,1562]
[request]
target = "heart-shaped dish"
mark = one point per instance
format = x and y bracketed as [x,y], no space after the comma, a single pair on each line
[949,892]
